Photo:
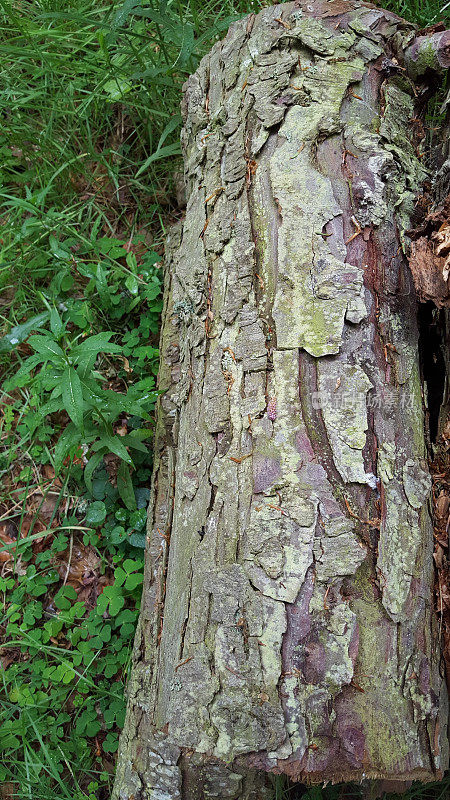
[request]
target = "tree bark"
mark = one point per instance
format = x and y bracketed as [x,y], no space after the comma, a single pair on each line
[287,620]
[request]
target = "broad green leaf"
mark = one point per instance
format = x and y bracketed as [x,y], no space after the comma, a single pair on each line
[19,333]
[116,402]
[47,347]
[99,343]
[102,603]
[134,443]
[68,439]
[96,513]
[117,534]
[66,282]
[56,323]
[152,291]
[131,565]
[133,581]
[120,576]
[27,366]
[125,486]
[63,597]
[138,540]
[116,604]
[140,434]
[115,248]
[93,394]
[155,16]
[111,742]
[90,468]
[117,88]
[57,391]
[132,284]
[51,407]
[69,675]
[132,262]
[72,395]
[114,445]
[101,283]
[138,518]
[49,378]
[110,670]
[57,250]
[123,12]
[86,353]
[9,741]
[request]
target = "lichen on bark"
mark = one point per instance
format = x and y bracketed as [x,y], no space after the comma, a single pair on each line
[286,623]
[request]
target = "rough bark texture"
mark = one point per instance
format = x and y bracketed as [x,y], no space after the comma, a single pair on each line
[287,621]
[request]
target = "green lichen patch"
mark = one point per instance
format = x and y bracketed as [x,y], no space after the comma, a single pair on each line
[315,289]
[342,394]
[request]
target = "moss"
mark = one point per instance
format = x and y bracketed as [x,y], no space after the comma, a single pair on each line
[382,719]
[387,744]
[424,58]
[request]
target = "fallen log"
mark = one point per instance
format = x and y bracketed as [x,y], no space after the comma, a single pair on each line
[287,620]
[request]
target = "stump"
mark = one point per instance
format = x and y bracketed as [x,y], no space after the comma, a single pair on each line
[287,620]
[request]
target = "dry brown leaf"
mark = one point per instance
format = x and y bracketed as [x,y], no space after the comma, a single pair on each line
[442,239]
[80,566]
[441,506]
[430,256]
[6,529]
[439,557]
[428,273]
[8,790]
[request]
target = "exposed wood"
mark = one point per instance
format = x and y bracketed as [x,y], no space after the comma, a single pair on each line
[430,256]
[287,622]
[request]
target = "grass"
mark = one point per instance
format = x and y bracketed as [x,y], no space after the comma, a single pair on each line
[90,110]
[421,12]
[89,150]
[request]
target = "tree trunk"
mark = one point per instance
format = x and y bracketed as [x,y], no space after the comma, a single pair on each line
[287,621]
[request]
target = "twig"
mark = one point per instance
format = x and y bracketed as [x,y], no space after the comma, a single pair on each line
[183,662]
[242,458]
[357,232]
[70,559]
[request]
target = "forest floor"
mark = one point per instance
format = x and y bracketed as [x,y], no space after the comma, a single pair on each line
[90,152]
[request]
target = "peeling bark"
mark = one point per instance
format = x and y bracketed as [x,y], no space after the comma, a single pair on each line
[430,257]
[287,620]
